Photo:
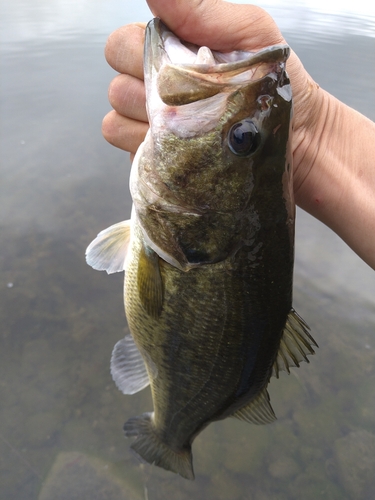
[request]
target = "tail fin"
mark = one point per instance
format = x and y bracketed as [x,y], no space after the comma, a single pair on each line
[149,447]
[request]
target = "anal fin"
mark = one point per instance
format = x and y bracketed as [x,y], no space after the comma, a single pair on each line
[259,411]
[295,345]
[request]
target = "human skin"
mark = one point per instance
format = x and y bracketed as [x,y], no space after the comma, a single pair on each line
[333,145]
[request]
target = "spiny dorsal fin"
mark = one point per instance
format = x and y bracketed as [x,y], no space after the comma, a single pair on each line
[150,286]
[295,345]
[108,251]
[128,369]
[258,411]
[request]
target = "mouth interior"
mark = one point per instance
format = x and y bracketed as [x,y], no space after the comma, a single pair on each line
[184,53]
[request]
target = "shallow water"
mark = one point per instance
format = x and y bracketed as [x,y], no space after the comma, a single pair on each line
[61,416]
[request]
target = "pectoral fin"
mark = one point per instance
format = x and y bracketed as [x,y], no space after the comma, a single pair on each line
[295,345]
[258,411]
[150,286]
[128,369]
[108,251]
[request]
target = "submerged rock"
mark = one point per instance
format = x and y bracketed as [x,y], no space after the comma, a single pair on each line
[76,476]
[355,463]
[284,468]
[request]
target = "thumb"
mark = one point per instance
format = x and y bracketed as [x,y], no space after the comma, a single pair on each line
[220,25]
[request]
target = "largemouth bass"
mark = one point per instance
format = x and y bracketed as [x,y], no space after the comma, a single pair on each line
[208,253]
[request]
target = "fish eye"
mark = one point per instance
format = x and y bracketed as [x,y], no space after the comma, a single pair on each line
[243,138]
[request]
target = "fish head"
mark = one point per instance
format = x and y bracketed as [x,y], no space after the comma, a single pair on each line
[219,128]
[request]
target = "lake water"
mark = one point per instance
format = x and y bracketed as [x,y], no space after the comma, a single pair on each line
[61,415]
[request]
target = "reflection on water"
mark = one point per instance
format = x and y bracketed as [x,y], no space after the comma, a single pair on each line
[61,415]
[25,20]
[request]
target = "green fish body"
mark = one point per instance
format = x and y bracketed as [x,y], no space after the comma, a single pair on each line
[208,253]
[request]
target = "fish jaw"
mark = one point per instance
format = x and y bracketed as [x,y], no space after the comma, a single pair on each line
[179,73]
[206,71]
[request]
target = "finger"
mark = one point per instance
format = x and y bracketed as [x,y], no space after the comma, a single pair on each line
[219,25]
[123,132]
[127,96]
[124,49]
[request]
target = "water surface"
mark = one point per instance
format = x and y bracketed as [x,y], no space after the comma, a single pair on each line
[61,415]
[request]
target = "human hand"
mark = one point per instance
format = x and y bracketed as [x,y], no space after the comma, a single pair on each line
[204,23]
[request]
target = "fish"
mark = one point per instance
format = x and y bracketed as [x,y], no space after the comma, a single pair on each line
[208,252]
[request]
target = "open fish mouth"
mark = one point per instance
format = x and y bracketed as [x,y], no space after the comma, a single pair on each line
[187,72]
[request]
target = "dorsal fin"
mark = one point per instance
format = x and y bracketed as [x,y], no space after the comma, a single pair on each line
[108,251]
[150,286]
[258,411]
[295,345]
[128,369]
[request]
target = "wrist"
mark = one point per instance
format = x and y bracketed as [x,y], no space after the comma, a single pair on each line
[335,171]
[310,110]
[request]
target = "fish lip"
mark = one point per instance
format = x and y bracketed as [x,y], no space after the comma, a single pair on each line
[156,53]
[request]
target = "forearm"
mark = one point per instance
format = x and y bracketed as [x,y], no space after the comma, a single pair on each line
[338,186]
